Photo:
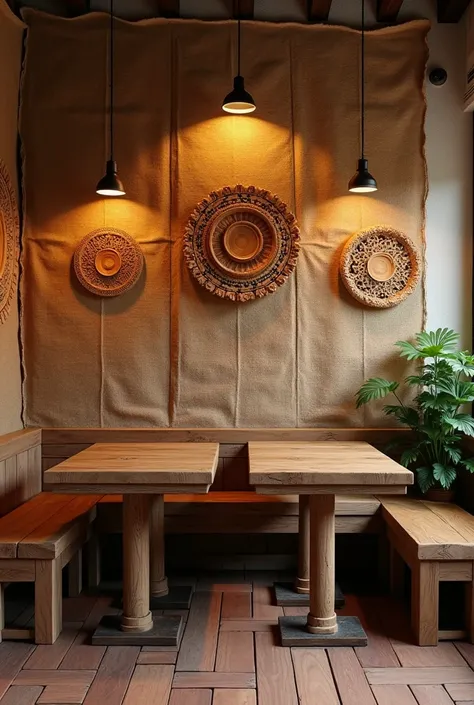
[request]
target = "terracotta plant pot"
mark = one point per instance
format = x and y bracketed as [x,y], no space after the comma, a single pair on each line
[438,494]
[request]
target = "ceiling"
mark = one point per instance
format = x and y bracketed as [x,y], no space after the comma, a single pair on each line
[386,11]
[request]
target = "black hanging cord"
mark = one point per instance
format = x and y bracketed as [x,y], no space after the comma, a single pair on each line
[362,87]
[111,79]
[238,39]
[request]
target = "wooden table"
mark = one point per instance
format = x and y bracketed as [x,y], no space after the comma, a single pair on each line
[142,473]
[322,470]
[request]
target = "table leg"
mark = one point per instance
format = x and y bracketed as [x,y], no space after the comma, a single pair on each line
[162,597]
[137,626]
[302,579]
[159,581]
[297,594]
[322,627]
[136,615]
[322,617]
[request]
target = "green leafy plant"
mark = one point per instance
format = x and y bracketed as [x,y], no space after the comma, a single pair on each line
[444,384]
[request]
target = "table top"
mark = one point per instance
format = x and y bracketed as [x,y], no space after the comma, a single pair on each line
[134,468]
[282,467]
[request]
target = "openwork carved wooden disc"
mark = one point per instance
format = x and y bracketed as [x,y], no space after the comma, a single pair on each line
[241,243]
[108,262]
[380,266]
[9,242]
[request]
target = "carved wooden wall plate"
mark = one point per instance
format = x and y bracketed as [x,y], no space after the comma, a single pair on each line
[241,243]
[108,262]
[380,266]
[9,242]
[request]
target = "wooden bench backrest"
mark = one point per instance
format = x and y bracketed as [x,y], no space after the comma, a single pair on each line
[20,468]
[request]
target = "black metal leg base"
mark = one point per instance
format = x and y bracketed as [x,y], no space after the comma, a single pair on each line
[166,631]
[286,596]
[178,598]
[349,633]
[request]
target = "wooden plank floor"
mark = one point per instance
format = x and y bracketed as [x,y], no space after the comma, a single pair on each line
[229,655]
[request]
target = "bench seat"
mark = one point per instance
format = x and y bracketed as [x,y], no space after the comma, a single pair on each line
[37,540]
[436,540]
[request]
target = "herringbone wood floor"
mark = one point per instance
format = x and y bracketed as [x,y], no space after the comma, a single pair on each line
[229,655]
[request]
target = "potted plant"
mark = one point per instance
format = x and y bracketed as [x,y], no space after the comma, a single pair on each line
[443,382]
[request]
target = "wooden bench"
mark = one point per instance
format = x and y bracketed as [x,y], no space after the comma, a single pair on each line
[37,540]
[436,541]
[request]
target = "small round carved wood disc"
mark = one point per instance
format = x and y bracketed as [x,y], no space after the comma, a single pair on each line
[241,243]
[108,262]
[9,242]
[380,266]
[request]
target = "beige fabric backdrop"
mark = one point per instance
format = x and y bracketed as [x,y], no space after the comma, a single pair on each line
[169,353]
[11,37]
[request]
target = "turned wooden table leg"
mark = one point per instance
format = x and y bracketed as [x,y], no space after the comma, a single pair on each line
[159,581]
[136,564]
[302,580]
[322,617]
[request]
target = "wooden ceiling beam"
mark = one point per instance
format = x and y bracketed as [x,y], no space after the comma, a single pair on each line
[318,10]
[168,8]
[451,10]
[243,9]
[387,10]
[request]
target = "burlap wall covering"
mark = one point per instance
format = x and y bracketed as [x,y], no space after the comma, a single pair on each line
[11,38]
[167,352]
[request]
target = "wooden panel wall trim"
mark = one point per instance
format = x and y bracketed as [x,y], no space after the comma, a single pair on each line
[61,436]
[12,444]
[20,468]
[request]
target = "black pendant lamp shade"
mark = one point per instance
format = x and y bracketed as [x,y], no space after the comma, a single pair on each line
[110,184]
[362,181]
[238,101]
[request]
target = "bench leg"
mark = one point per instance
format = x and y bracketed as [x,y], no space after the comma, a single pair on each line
[48,601]
[424,602]
[93,561]
[75,575]
[2,610]
[397,573]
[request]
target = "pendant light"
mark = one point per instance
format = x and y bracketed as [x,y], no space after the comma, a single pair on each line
[238,101]
[110,184]
[362,181]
